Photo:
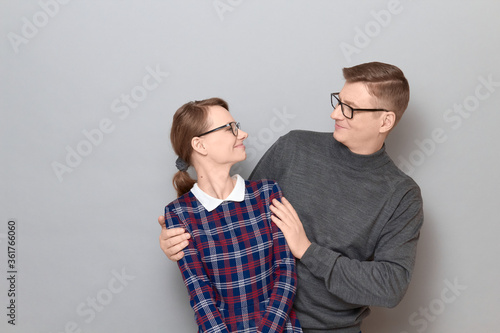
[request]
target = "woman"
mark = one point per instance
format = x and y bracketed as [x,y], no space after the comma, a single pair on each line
[237,267]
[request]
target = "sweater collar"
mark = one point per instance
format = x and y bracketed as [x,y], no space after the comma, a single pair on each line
[210,203]
[358,161]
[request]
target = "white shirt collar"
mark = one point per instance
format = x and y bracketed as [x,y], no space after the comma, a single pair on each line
[210,203]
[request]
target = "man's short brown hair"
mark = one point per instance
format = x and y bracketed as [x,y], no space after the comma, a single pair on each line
[385,82]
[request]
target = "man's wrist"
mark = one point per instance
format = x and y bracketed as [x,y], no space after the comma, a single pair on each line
[303,250]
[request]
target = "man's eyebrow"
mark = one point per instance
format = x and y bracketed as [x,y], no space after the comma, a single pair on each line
[350,103]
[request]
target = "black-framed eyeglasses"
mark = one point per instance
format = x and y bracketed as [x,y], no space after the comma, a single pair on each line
[234,128]
[348,111]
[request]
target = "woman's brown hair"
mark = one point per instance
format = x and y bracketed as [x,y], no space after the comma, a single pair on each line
[189,121]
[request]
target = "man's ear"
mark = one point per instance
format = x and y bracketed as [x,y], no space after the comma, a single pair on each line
[198,146]
[388,122]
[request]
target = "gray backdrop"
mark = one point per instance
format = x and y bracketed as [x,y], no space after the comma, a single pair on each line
[88,90]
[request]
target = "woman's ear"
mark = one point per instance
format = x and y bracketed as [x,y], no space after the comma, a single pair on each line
[198,146]
[388,122]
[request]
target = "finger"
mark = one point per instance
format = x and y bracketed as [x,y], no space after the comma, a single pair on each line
[161,221]
[278,222]
[277,204]
[289,206]
[283,211]
[168,233]
[177,256]
[174,251]
[273,209]
[279,213]
[173,247]
[171,241]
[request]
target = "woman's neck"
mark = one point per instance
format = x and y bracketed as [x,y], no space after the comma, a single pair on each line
[216,182]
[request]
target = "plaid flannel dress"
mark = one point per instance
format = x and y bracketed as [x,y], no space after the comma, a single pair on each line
[237,267]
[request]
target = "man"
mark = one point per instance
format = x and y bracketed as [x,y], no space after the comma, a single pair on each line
[356,217]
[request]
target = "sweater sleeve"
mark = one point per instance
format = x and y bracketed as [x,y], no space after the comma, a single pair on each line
[200,289]
[285,280]
[383,280]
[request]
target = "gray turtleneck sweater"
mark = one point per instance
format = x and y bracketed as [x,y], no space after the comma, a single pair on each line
[363,217]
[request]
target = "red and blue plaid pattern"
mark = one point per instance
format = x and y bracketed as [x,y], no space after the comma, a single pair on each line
[237,267]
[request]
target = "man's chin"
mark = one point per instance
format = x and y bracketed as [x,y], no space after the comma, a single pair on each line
[337,137]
